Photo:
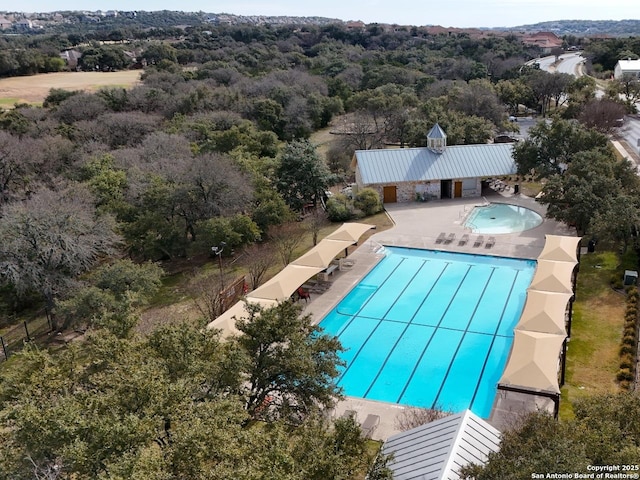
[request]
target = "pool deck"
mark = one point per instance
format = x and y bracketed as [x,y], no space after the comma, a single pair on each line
[418,225]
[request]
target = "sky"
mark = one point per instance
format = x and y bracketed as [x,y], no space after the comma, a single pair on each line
[448,13]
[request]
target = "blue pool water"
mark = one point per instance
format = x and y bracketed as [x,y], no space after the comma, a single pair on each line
[502,218]
[430,328]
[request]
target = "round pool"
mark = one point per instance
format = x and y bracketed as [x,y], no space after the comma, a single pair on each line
[501,218]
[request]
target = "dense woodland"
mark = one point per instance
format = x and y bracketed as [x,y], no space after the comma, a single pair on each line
[213,146]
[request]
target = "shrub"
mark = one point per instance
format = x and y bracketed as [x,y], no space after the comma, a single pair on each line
[625,374]
[339,209]
[629,340]
[627,349]
[368,201]
[625,384]
[629,331]
[627,361]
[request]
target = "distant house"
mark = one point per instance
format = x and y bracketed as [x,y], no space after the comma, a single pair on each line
[432,172]
[24,24]
[4,23]
[626,68]
[437,450]
[71,58]
[547,41]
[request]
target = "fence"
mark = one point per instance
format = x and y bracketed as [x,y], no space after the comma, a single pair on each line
[15,337]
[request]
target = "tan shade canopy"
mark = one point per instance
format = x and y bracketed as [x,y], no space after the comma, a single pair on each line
[284,283]
[533,363]
[349,231]
[322,254]
[227,321]
[553,276]
[560,248]
[544,312]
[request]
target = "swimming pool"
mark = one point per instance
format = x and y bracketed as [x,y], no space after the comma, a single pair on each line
[429,328]
[502,218]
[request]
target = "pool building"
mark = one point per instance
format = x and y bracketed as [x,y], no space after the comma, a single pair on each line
[433,172]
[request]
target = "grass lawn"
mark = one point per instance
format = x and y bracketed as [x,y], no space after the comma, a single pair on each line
[598,318]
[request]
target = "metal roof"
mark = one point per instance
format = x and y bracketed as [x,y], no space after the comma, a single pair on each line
[422,164]
[436,132]
[632,65]
[437,450]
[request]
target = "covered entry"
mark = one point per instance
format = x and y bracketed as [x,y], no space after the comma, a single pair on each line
[390,194]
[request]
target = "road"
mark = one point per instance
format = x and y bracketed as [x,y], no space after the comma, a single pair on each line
[630,132]
[570,63]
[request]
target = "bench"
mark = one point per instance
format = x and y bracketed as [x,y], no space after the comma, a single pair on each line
[324,274]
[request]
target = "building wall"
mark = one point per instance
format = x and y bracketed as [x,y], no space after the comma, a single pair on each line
[409,191]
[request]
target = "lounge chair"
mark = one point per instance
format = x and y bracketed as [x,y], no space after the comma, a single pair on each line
[450,238]
[441,237]
[370,424]
[463,240]
[490,242]
[479,241]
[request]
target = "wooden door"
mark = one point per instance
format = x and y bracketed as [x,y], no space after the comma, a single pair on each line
[457,189]
[389,194]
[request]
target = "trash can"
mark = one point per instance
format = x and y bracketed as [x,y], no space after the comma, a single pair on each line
[516,189]
[591,246]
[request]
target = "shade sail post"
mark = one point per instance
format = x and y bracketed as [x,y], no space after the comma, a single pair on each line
[563,362]
[570,317]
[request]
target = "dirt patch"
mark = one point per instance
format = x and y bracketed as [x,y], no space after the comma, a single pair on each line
[35,88]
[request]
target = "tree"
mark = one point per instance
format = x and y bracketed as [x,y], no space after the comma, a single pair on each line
[551,147]
[292,365]
[159,407]
[260,259]
[627,88]
[51,238]
[575,196]
[602,115]
[301,176]
[286,238]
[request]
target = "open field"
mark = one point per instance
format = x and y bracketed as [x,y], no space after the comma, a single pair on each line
[34,88]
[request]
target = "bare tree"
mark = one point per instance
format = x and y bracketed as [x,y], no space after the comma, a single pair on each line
[286,238]
[314,223]
[206,295]
[412,417]
[261,258]
[50,239]
[602,115]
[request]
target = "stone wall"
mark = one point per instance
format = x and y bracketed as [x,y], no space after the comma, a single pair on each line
[409,191]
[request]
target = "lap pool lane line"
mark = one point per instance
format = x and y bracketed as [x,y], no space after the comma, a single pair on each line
[356,314]
[493,340]
[464,333]
[407,324]
[415,368]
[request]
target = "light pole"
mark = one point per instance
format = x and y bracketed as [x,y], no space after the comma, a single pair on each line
[218,252]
